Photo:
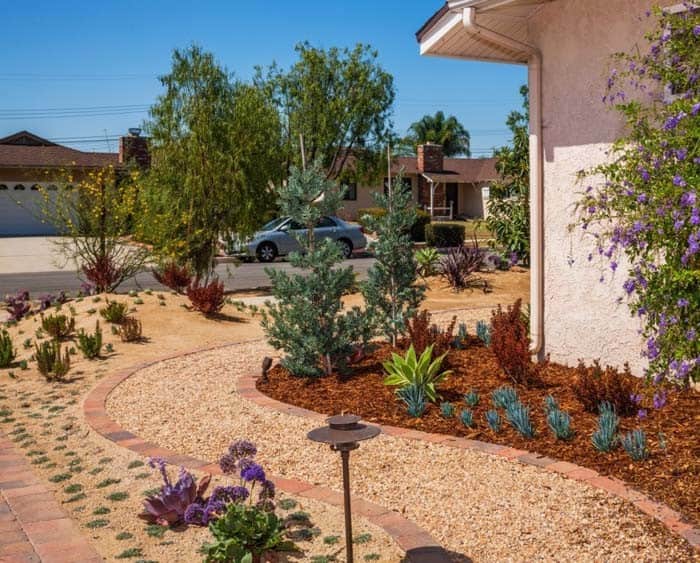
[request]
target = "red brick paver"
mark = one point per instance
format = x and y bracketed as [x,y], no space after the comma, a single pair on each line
[33,527]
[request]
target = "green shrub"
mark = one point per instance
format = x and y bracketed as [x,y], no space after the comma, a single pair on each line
[372,213]
[58,326]
[90,344]
[443,235]
[244,532]
[7,351]
[114,312]
[428,260]
[418,229]
[130,330]
[52,365]
[415,371]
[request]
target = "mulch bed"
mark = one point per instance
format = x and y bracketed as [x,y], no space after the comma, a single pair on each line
[671,474]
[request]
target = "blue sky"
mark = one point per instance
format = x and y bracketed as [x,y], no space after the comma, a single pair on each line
[104,54]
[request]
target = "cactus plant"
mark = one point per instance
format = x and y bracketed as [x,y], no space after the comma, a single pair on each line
[51,363]
[7,351]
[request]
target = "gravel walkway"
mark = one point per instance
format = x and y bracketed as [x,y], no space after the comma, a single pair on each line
[476,505]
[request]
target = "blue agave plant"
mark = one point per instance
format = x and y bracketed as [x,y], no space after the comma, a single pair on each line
[635,444]
[605,438]
[483,332]
[447,409]
[493,419]
[467,418]
[550,404]
[559,423]
[472,398]
[504,396]
[414,398]
[519,417]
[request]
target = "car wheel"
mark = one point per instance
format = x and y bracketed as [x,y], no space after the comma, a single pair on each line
[345,248]
[266,252]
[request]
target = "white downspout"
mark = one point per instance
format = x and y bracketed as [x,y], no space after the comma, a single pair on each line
[536,170]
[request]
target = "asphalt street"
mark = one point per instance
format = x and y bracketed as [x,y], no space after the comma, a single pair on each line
[244,276]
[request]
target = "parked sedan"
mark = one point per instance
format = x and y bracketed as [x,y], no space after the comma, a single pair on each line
[279,238]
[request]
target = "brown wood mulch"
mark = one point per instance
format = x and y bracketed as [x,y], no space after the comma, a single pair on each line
[671,474]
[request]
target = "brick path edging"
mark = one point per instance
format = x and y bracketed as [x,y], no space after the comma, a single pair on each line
[670,518]
[33,526]
[419,545]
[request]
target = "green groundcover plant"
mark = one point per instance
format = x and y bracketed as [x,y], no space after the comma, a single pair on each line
[643,204]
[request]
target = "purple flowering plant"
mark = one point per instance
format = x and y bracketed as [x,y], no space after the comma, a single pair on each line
[238,460]
[644,205]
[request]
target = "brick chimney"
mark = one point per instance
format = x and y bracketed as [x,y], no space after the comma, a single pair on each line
[134,148]
[430,158]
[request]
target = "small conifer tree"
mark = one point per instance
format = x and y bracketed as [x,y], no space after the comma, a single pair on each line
[391,294]
[307,319]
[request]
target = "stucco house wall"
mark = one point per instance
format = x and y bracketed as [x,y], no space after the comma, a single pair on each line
[576,38]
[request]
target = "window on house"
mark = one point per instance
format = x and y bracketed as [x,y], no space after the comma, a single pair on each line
[35,187]
[19,187]
[350,192]
[3,187]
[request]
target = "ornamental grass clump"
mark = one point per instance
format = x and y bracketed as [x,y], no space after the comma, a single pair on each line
[641,209]
[58,326]
[519,417]
[90,344]
[605,437]
[635,444]
[7,350]
[307,319]
[460,265]
[414,398]
[115,312]
[419,371]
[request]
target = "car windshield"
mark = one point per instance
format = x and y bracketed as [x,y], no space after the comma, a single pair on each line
[272,225]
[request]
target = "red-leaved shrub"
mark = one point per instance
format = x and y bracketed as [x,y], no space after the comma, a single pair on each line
[511,344]
[177,278]
[103,273]
[422,334]
[594,385]
[208,298]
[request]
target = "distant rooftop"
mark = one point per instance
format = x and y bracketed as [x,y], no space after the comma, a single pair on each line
[27,150]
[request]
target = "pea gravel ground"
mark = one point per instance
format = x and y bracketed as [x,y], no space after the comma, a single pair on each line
[478,506]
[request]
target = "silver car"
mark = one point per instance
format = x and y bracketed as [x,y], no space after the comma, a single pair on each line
[279,238]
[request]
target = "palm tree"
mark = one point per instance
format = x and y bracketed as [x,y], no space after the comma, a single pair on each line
[448,132]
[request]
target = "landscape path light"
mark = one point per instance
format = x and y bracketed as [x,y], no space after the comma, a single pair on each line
[343,433]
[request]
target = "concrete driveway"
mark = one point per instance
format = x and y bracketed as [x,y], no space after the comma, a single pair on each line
[20,255]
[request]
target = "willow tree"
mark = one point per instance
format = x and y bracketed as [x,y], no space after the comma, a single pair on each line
[215,152]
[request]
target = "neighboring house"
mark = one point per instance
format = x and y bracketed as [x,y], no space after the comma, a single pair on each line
[28,163]
[567,45]
[451,187]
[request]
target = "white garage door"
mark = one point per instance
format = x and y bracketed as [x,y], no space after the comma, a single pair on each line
[20,210]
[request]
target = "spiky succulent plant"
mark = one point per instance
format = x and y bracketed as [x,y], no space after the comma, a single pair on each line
[519,417]
[504,396]
[493,419]
[467,418]
[471,398]
[447,409]
[605,438]
[559,423]
[483,332]
[635,444]
[550,404]
[414,398]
